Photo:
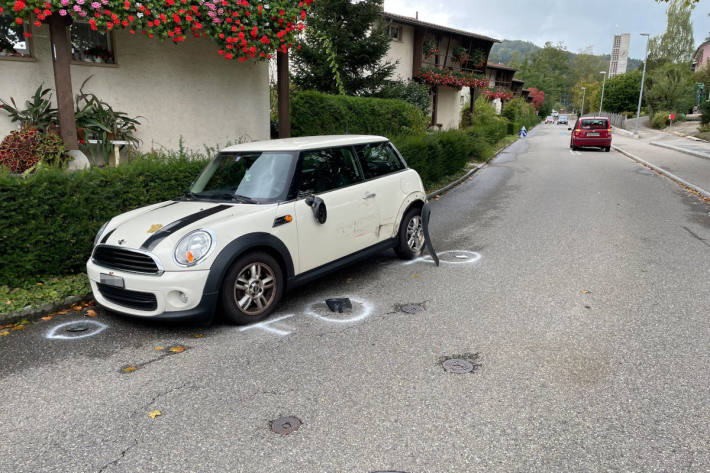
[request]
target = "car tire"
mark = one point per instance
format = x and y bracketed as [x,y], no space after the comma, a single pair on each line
[607,149]
[252,288]
[410,239]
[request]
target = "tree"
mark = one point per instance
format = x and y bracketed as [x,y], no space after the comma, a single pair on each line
[676,44]
[622,92]
[358,41]
[548,69]
[591,96]
[670,87]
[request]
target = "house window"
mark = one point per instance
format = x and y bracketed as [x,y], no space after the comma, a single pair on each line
[88,46]
[394,32]
[13,42]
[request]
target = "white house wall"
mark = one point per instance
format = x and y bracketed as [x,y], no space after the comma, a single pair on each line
[181,90]
[449,114]
[401,53]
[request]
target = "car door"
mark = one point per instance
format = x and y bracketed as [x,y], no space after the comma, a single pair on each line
[334,176]
[381,165]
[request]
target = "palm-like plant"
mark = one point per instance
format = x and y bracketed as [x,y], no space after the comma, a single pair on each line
[38,112]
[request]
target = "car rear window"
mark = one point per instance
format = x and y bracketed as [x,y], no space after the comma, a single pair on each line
[595,123]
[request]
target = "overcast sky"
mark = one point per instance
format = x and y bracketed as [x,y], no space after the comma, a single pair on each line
[577,23]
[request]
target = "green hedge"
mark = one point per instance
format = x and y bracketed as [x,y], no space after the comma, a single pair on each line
[442,154]
[315,113]
[49,219]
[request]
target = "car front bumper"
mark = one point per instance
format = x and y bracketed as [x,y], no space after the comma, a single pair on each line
[172,295]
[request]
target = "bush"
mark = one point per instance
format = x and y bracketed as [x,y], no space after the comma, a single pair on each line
[50,218]
[486,124]
[705,112]
[441,154]
[315,113]
[660,120]
[410,91]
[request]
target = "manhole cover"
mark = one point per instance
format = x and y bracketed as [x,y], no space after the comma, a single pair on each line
[76,328]
[458,366]
[461,364]
[285,425]
[410,308]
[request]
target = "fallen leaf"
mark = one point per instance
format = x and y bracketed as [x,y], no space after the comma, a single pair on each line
[129,369]
[76,307]
[159,347]
[198,335]
[6,326]
[4,332]
[40,284]
[415,275]
[91,313]
[584,291]
[154,414]
[18,327]
[47,317]
[177,349]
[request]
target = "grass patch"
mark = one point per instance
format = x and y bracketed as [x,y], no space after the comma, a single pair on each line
[46,290]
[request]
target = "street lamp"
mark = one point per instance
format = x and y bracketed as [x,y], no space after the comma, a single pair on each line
[643,77]
[584,92]
[602,100]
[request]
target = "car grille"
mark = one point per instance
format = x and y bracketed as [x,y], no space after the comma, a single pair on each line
[126,298]
[127,260]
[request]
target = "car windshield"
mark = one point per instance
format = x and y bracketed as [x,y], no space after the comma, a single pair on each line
[594,124]
[251,177]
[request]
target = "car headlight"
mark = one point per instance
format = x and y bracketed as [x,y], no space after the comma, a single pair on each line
[194,247]
[101,231]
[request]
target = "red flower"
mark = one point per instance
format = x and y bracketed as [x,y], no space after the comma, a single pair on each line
[19,5]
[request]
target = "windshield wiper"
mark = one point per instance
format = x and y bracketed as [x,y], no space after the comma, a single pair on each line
[244,199]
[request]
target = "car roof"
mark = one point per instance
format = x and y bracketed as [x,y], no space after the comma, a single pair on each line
[594,118]
[306,142]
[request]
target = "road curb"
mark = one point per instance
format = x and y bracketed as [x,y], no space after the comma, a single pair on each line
[679,149]
[35,313]
[705,194]
[625,132]
[473,171]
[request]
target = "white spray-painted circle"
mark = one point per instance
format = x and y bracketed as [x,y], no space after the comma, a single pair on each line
[461,257]
[362,309]
[55,333]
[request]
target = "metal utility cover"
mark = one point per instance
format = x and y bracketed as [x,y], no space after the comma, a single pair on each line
[285,425]
[458,366]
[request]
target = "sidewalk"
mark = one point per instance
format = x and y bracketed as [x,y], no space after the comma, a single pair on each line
[673,138]
[692,169]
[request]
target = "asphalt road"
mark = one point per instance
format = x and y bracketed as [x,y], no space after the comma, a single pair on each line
[578,282]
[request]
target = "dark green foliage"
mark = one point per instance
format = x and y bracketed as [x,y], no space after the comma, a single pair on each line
[660,120]
[520,113]
[441,154]
[670,87]
[357,40]
[621,93]
[50,218]
[508,51]
[413,92]
[315,113]
[705,111]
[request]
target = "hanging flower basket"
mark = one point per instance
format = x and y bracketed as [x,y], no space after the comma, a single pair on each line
[502,94]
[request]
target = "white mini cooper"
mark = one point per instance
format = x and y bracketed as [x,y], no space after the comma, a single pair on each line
[262,218]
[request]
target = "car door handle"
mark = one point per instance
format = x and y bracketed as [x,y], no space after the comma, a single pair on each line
[369,196]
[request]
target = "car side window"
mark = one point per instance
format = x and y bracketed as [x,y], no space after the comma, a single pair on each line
[378,159]
[327,169]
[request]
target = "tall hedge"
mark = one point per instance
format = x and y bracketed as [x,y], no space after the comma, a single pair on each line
[315,113]
[49,219]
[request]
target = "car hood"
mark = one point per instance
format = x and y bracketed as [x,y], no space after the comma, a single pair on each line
[147,227]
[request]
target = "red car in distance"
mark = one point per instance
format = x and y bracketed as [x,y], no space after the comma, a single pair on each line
[591,132]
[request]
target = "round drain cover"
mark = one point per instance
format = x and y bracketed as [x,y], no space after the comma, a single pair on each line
[285,425]
[411,308]
[77,328]
[458,366]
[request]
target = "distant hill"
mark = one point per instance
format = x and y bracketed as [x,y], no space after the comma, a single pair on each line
[504,51]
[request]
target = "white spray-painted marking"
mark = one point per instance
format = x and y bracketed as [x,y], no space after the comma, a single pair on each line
[54,334]
[265,326]
[358,305]
[466,257]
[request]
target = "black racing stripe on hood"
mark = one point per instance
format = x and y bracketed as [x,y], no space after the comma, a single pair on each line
[171,228]
[105,239]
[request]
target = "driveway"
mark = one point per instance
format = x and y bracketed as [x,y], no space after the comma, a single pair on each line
[576,285]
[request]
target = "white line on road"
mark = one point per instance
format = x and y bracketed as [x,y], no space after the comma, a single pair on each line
[265,326]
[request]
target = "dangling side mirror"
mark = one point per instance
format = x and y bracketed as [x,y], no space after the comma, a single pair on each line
[318,206]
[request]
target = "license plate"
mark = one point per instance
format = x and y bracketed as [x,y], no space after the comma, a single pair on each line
[111,280]
[592,134]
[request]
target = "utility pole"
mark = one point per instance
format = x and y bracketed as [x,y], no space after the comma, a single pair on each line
[601,102]
[584,93]
[643,77]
